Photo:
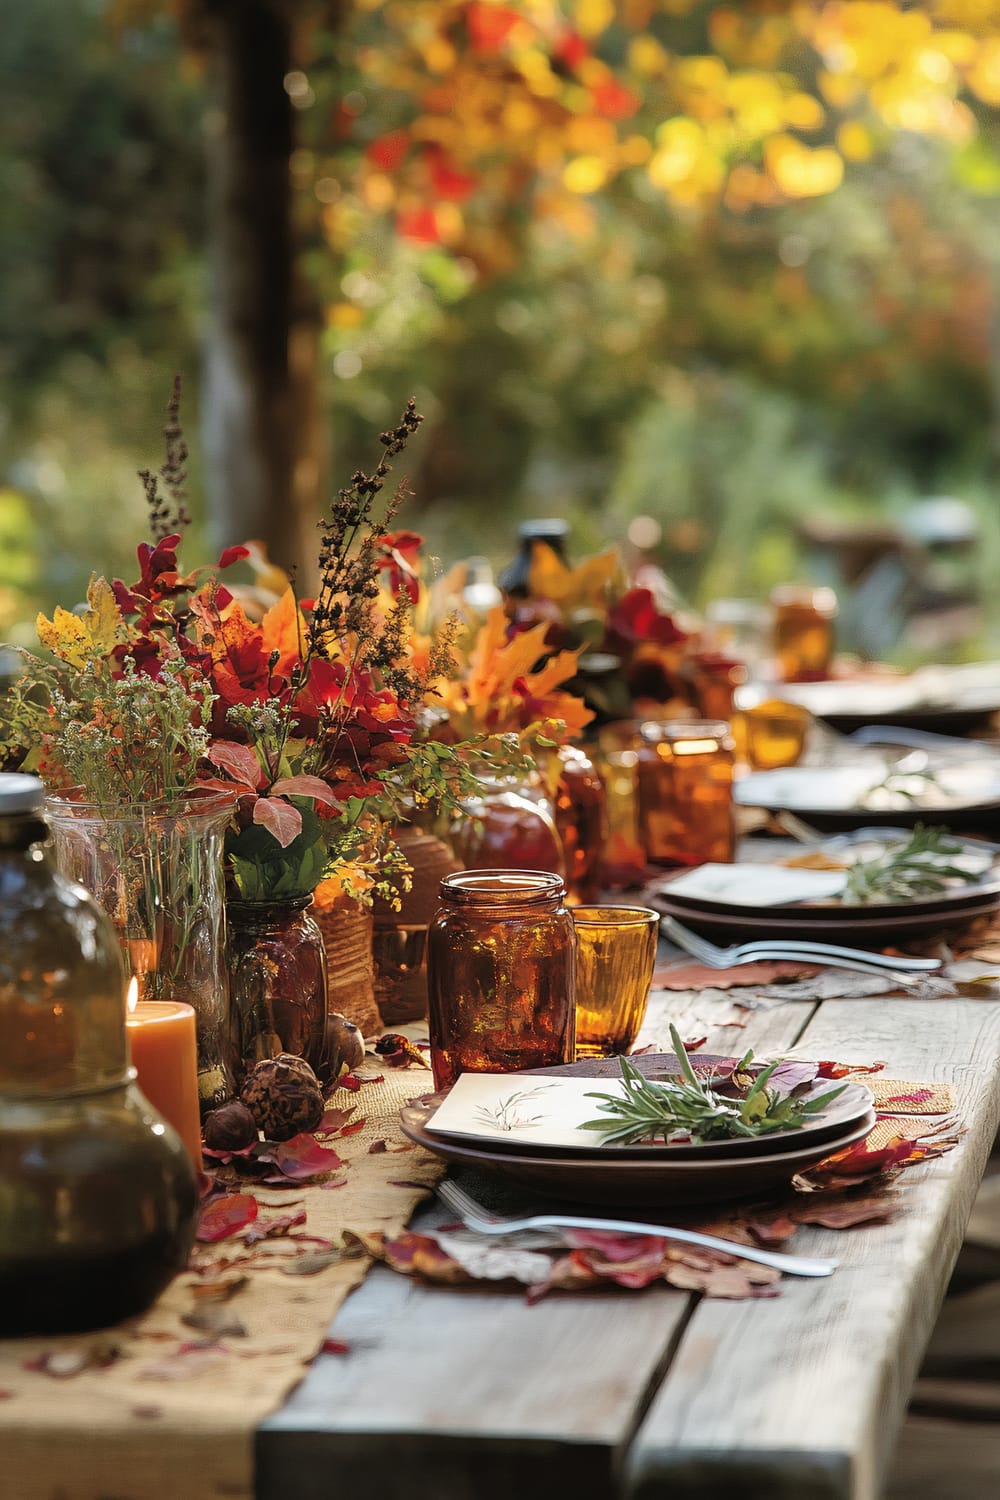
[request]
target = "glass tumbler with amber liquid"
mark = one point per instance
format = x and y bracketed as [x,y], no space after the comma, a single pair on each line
[803,621]
[500,974]
[684,773]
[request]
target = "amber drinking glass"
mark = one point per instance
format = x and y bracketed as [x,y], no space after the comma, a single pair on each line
[615,954]
[685,779]
[803,620]
[500,970]
[773,734]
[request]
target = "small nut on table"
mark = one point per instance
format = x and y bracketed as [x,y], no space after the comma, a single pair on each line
[230,1128]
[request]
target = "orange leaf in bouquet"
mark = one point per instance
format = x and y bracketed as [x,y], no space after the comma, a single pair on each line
[504,689]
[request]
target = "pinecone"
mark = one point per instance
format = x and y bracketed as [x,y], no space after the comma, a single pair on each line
[284,1097]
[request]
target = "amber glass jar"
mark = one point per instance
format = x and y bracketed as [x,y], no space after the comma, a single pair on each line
[511,825]
[500,971]
[581,815]
[684,772]
[803,619]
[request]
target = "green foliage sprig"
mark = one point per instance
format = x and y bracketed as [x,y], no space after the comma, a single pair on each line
[652,1111]
[920,867]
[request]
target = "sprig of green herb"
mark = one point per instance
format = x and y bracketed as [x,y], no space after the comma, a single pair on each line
[652,1111]
[920,867]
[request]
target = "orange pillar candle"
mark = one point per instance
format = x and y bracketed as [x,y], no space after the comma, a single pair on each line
[161,1037]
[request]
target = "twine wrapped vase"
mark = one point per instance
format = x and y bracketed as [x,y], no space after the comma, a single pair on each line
[346,926]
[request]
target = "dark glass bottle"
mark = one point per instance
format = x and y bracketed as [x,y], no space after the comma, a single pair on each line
[500,974]
[514,579]
[98,1198]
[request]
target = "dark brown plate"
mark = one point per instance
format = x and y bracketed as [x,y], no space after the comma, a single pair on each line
[973,893]
[650,1181]
[870,928]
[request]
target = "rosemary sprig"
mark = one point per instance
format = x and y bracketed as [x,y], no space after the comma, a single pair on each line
[920,867]
[652,1111]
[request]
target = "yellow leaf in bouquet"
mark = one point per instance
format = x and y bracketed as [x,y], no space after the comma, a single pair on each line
[77,639]
[573,588]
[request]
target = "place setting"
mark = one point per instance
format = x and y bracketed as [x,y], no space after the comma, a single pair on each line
[868,887]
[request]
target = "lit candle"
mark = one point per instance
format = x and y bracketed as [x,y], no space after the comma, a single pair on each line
[161,1036]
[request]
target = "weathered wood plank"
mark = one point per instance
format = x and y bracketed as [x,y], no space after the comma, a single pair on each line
[802,1397]
[471,1394]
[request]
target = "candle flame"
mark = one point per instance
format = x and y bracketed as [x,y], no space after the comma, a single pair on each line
[132,994]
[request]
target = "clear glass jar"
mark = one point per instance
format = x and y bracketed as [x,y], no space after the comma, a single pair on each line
[98,1197]
[684,773]
[277,976]
[156,869]
[500,970]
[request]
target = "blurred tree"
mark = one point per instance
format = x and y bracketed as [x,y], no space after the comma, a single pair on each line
[517,198]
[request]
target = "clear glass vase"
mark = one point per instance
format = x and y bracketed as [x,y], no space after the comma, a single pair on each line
[277,968]
[156,869]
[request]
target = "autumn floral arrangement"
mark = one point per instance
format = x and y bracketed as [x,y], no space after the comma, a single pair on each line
[636,651]
[307,716]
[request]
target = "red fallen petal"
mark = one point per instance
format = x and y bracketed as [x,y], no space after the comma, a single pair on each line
[349,1082]
[334,1346]
[301,1157]
[616,1246]
[267,1229]
[354,1127]
[334,1120]
[377,1147]
[843,1070]
[919,1096]
[226,1216]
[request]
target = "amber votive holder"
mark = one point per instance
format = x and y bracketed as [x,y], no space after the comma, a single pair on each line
[772,734]
[803,623]
[615,955]
[684,774]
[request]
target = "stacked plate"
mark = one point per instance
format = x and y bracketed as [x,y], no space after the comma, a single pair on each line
[736,904]
[651,1175]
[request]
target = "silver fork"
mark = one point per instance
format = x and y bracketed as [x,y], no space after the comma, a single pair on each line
[830,954]
[475,1217]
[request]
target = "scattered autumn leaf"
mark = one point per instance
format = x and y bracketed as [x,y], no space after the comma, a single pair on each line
[222,1217]
[218,1289]
[213,1318]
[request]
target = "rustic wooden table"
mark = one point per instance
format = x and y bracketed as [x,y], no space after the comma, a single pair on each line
[473,1395]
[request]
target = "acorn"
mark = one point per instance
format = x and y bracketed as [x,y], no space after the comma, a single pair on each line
[283,1096]
[231,1127]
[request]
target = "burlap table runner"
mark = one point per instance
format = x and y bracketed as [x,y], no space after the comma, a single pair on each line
[173,1416]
